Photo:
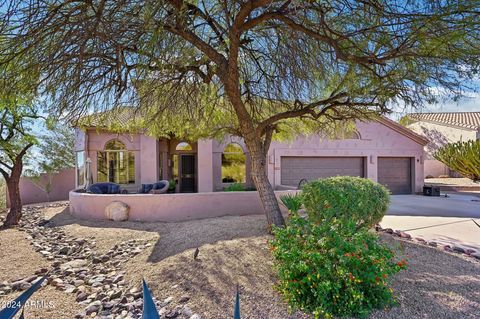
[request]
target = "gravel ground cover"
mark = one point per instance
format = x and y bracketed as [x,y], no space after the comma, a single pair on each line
[232,251]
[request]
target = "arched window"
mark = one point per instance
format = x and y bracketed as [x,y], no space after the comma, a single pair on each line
[115,164]
[233,164]
[183,146]
[114,145]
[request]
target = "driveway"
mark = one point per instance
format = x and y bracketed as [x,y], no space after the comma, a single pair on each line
[446,220]
[455,205]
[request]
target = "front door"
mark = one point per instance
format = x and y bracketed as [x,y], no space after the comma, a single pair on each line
[187,175]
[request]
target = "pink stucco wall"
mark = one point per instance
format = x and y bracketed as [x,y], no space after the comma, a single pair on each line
[170,207]
[377,140]
[62,183]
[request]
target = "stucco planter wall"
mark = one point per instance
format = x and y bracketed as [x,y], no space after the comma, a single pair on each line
[170,207]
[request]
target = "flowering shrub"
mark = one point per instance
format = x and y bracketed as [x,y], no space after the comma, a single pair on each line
[328,274]
[345,199]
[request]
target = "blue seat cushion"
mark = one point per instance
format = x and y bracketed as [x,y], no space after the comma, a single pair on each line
[104,188]
[146,188]
[159,185]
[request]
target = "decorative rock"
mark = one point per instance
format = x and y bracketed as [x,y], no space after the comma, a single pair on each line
[57,282]
[195,316]
[63,250]
[183,299]
[404,235]
[458,249]
[470,251]
[389,231]
[163,311]
[81,297]
[117,279]
[186,311]
[476,255]
[432,243]
[167,300]
[115,294]
[93,307]
[76,263]
[117,211]
[21,285]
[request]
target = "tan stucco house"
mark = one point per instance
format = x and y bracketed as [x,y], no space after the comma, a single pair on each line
[442,128]
[381,150]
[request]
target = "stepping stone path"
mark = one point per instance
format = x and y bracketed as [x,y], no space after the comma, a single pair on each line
[97,280]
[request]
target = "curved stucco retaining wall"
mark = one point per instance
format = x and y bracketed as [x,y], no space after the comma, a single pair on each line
[170,207]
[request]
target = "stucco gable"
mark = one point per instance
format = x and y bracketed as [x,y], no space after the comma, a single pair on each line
[400,129]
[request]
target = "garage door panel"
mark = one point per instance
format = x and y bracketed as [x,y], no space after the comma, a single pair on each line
[294,169]
[396,174]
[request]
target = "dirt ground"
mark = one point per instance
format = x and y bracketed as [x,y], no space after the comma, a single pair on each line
[17,261]
[234,250]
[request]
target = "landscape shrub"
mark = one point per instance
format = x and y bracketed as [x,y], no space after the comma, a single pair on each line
[235,187]
[328,274]
[346,200]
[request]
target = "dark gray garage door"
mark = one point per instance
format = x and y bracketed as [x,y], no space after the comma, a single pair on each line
[396,174]
[294,169]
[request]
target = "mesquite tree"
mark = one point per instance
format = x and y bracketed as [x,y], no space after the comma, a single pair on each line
[253,68]
[15,142]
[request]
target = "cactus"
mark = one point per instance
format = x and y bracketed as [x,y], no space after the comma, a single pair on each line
[463,157]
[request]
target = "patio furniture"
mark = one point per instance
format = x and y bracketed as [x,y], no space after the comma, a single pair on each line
[160,187]
[104,188]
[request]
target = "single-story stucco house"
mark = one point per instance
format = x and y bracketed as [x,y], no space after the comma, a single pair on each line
[442,128]
[381,150]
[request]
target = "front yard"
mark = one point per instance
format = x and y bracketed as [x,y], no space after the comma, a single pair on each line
[232,250]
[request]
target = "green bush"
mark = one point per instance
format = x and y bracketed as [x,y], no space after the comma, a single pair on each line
[463,157]
[345,200]
[235,187]
[293,202]
[327,274]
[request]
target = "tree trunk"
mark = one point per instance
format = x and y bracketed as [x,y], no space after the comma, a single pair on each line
[13,185]
[264,188]
[254,142]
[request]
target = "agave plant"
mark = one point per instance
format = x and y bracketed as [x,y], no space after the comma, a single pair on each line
[293,202]
[463,157]
[149,309]
[19,302]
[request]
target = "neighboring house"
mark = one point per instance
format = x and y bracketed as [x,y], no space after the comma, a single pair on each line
[443,128]
[381,150]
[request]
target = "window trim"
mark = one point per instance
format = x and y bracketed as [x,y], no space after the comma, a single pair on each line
[125,160]
[77,169]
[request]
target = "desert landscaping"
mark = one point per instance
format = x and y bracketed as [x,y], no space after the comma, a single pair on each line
[96,269]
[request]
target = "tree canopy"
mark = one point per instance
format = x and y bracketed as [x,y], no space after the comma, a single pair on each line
[309,59]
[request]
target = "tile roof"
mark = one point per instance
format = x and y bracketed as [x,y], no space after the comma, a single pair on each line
[121,117]
[470,120]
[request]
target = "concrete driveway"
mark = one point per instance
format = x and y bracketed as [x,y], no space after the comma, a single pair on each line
[455,205]
[445,220]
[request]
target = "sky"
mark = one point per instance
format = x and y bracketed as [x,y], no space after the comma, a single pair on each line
[469,103]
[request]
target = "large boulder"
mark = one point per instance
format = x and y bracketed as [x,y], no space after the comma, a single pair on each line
[117,211]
